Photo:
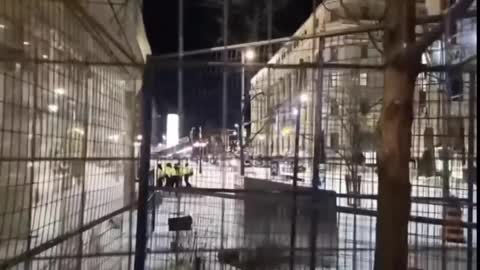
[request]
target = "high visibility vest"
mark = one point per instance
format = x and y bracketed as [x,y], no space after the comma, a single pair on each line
[175,172]
[181,171]
[159,172]
[168,171]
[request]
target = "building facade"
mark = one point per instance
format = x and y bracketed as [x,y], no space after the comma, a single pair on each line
[68,73]
[444,128]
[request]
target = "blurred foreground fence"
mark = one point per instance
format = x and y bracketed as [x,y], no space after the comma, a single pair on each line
[69,148]
[66,140]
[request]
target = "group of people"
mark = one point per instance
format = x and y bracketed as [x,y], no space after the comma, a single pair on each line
[172,176]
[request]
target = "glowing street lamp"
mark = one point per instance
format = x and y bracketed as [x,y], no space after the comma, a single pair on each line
[303,98]
[59,91]
[53,108]
[250,55]
[247,55]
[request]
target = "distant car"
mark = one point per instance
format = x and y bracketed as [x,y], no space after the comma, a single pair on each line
[248,163]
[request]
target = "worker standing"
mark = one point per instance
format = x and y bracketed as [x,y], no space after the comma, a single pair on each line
[169,175]
[160,175]
[176,175]
[187,172]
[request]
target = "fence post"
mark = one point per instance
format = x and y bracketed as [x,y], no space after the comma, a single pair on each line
[293,232]
[471,145]
[317,154]
[141,237]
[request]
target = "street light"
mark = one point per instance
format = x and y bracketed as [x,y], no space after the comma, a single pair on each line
[247,55]
[201,145]
[303,98]
[250,55]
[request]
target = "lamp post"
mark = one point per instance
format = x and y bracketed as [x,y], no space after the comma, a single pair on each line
[247,55]
[297,112]
[200,145]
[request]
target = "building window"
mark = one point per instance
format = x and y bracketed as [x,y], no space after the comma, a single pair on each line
[456,133]
[428,138]
[363,79]
[334,108]
[424,59]
[334,140]
[333,79]
[422,101]
[364,51]
[288,143]
[455,85]
[333,53]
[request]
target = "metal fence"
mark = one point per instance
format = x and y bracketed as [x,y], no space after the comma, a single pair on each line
[68,145]
[66,153]
[238,220]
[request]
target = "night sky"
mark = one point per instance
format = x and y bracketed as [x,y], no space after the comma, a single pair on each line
[202,29]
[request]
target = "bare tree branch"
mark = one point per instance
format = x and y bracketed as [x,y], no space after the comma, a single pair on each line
[252,98]
[376,103]
[249,141]
[374,42]
[452,13]
[345,158]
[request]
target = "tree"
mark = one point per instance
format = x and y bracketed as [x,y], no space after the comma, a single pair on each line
[402,51]
[353,124]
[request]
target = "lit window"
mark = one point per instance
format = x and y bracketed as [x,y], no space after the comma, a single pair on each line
[424,59]
[363,79]
[333,80]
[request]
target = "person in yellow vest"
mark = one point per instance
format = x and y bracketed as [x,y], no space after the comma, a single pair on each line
[187,172]
[176,175]
[160,175]
[168,175]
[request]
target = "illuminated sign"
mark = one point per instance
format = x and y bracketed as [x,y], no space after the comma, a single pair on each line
[172,129]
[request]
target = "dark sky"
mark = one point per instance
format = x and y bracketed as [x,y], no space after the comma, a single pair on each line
[202,21]
[202,29]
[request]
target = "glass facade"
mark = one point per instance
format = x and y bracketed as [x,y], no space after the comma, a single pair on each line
[66,138]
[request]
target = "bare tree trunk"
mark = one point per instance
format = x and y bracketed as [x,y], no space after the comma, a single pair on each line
[402,53]
[394,187]
[393,171]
